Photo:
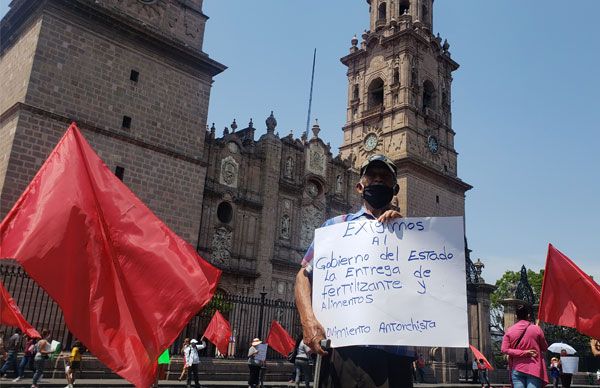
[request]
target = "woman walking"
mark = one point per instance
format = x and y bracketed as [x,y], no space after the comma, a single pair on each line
[524,344]
[253,364]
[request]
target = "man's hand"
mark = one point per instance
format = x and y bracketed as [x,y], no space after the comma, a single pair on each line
[313,334]
[389,215]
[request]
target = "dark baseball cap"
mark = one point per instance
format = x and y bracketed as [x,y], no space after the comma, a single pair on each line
[378,159]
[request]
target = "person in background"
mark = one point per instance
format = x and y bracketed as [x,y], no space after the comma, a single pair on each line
[13,345]
[186,343]
[565,378]
[75,359]
[554,371]
[483,377]
[524,343]
[475,368]
[193,360]
[420,363]
[2,348]
[27,359]
[302,365]
[42,353]
[253,364]
[69,374]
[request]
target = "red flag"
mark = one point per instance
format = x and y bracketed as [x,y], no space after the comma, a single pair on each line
[479,356]
[218,332]
[10,315]
[570,297]
[279,339]
[127,285]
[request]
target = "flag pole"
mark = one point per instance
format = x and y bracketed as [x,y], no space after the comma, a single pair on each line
[312,79]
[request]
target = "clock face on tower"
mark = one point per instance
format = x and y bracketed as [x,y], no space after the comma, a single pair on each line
[370,142]
[432,144]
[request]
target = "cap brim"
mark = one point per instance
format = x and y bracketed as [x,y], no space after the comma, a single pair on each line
[380,162]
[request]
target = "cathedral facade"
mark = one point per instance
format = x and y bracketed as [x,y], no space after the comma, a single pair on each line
[263,199]
[133,75]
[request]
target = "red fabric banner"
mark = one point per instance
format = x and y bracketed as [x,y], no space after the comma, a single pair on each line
[10,315]
[479,356]
[279,339]
[570,297]
[218,332]
[126,283]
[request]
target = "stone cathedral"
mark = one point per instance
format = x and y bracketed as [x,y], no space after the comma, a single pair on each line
[399,93]
[134,76]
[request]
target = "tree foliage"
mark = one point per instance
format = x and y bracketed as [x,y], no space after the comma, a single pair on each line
[507,284]
[505,289]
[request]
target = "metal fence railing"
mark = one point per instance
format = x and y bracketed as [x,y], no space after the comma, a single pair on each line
[249,316]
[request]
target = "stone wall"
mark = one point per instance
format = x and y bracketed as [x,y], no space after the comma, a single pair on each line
[141,107]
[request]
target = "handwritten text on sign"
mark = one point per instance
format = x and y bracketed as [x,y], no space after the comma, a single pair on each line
[398,283]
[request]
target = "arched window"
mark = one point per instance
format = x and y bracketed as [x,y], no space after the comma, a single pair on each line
[375,93]
[424,14]
[355,93]
[428,95]
[382,12]
[225,212]
[396,79]
[404,6]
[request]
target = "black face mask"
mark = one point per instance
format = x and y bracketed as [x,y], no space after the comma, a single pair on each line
[378,196]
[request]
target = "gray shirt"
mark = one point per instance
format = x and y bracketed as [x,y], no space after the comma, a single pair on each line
[303,351]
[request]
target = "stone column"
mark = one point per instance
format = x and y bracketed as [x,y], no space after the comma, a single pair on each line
[271,151]
[483,305]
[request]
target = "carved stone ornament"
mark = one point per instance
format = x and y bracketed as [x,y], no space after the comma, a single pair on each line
[316,161]
[280,288]
[233,147]
[312,189]
[377,62]
[145,10]
[229,172]
[339,184]
[312,218]
[192,25]
[286,226]
[289,168]
[221,245]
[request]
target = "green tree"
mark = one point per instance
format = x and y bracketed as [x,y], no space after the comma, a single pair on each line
[505,289]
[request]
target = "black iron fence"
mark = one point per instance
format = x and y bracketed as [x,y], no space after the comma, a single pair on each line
[249,316]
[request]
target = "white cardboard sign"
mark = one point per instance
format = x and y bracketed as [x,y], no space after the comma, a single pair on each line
[398,283]
[569,364]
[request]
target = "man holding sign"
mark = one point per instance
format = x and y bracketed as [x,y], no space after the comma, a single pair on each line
[353,366]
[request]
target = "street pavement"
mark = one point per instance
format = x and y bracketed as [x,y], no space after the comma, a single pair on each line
[117,383]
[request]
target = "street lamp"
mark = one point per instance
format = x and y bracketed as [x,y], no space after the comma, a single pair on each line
[263,294]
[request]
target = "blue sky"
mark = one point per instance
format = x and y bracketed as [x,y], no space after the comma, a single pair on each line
[525,103]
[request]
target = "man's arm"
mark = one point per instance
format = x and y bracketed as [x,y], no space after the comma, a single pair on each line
[312,330]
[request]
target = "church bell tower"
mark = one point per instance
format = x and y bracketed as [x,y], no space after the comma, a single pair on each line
[399,104]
